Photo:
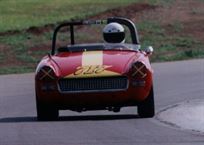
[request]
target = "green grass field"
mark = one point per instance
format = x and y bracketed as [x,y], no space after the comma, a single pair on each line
[22,14]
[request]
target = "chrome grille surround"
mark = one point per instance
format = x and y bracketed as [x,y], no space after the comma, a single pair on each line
[97,84]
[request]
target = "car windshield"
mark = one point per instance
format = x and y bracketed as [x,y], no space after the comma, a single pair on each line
[99,46]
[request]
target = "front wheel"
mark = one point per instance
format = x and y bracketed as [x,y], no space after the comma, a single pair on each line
[46,112]
[146,108]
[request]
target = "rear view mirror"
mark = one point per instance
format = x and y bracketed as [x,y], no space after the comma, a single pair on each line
[149,50]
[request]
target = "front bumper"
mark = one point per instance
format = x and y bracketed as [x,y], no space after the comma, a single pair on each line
[94,100]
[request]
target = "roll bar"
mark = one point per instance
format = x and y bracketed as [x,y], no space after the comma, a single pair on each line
[131,26]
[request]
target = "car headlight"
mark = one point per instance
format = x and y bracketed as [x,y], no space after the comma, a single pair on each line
[46,73]
[47,77]
[138,73]
[138,70]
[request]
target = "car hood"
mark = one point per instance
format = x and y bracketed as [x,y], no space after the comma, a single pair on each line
[95,63]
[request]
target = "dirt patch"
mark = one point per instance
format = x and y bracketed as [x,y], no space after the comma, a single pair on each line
[186,14]
[4,50]
[40,47]
[9,57]
[195,29]
[129,12]
[40,30]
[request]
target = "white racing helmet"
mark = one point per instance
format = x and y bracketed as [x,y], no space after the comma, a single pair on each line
[114,33]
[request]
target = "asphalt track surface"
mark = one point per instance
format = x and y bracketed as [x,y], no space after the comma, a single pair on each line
[174,82]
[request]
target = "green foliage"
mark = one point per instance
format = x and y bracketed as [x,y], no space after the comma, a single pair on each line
[185,42]
[166,2]
[1,57]
[177,26]
[20,45]
[178,48]
[22,14]
[16,69]
[24,57]
[150,27]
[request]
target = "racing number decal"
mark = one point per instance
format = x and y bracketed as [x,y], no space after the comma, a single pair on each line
[90,68]
[87,70]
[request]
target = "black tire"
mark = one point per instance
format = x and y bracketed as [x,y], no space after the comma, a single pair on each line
[46,112]
[146,108]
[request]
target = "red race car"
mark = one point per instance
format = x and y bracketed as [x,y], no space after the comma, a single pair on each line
[95,76]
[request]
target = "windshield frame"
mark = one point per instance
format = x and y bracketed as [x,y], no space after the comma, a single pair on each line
[100,46]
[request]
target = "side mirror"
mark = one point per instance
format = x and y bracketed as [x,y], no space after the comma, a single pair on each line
[149,50]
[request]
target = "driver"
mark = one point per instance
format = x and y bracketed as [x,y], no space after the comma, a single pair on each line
[114,33]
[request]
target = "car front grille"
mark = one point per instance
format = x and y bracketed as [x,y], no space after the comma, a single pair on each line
[93,84]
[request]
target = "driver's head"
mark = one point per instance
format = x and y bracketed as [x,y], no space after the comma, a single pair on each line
[114,33]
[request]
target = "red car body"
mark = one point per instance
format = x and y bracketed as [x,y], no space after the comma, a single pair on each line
[94,77]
